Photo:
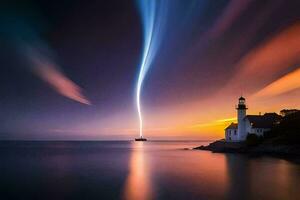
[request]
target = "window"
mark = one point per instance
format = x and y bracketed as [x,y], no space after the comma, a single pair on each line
[234,132]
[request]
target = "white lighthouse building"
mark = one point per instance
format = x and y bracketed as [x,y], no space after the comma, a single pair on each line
[241,114]
[249,124]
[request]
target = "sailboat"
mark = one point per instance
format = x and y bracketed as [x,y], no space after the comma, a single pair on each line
[141,139]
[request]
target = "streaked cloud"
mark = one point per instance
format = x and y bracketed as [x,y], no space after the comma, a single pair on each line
[277,53]
[289,82]
[233,119]
[265,62]
[219,122]
[49,72]
[231,13]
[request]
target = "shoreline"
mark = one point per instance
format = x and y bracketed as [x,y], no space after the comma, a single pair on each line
[221,146]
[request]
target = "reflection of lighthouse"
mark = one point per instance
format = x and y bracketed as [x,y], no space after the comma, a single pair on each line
[241,114]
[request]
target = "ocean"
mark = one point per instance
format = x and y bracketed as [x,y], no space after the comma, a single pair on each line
[140,170]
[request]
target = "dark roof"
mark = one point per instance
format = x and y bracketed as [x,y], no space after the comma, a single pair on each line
[232,126]
[263,121]
[241,98]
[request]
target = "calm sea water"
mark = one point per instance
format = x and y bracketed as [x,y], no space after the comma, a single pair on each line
[137,171]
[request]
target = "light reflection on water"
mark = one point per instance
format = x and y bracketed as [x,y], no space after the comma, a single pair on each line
[165,171]
[138,183]
[140,171]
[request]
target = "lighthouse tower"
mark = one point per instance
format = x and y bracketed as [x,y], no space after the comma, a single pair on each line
[241,114]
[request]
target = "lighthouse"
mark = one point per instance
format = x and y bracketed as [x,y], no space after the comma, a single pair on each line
[249,124]
[241,114]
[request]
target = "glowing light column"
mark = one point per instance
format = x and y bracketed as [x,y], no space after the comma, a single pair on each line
[150,13]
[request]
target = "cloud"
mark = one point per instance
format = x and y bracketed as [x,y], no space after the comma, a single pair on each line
[278,53]
[232,11]
[220,122]
[20,33]
[289,82]
[48,71]
[265,62]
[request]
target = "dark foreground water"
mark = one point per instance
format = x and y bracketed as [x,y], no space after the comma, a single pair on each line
[137,171]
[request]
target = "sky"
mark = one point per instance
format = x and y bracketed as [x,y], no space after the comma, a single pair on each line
[69,69]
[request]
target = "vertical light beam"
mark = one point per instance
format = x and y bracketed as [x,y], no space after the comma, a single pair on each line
[151,14]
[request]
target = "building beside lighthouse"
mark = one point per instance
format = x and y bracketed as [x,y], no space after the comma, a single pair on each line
[249,124]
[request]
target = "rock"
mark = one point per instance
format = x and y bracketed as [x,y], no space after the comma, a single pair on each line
[221,146]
